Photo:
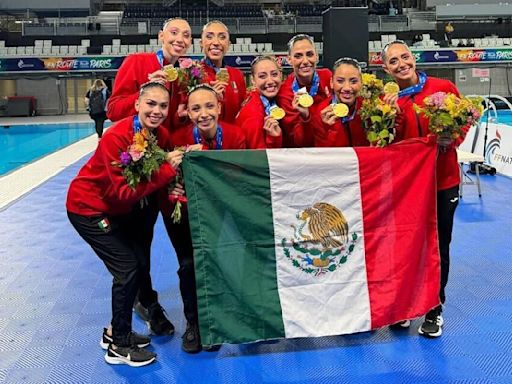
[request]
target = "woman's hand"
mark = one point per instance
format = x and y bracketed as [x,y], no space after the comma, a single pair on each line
[219,87]
[271,126]
[304,112]
[174,158]
[158,77]
[327,115]
[178,190]
[392,99]
[194,147]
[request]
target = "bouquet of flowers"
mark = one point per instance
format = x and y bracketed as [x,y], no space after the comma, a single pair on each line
[190,74]
[449,114]
[177,200]
[141,158]
[378,117]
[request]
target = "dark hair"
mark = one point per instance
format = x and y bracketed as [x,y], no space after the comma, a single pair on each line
[150,85]
[348,61]
[299,37]
[172,19]
[386,47]
[257,59]
[204,87]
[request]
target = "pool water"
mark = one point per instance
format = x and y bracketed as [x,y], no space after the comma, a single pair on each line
[22,144]
[504,116]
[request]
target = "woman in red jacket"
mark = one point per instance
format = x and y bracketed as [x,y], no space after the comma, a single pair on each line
[138,68]
[399,62]
[305,80]
[259,115]
[330,130]
[203,110]
[229,82]
[102,208]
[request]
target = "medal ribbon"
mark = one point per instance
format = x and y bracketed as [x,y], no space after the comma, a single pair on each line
[417,88]
[314,87]
[218,137]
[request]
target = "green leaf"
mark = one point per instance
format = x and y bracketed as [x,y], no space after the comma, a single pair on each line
[376,119]
[372,136]
[351,248]
[384,134]
[354,236]
[332,267]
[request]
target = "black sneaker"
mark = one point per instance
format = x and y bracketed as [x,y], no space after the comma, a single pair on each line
[132,355]
[431,327]
[136,339]
[158,322]
[141,311]
[191,341]
[404,324]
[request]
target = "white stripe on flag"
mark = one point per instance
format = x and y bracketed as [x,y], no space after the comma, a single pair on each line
[316,301]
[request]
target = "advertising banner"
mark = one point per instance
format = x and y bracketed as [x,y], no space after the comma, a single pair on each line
[101,63]
[454,56]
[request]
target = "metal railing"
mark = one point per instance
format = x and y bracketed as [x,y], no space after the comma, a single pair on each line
[94,25]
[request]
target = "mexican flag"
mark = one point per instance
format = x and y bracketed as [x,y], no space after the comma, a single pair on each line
[313,241]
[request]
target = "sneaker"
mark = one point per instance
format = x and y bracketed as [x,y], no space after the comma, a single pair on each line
[140,341]
[191,341]
[401,324]
[131,355]
[431,327]
[158,323]
[141,311]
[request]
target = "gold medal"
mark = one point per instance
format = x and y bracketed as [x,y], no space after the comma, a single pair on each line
[340,109]
[305,100]
[171,73]
[277,113]
[222,75]
[391,88]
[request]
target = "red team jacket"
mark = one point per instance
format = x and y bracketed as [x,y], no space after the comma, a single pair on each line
[131,75]
[349,134]
[234,94]
[250,119]
[100,187]
[415,125]
[292,121]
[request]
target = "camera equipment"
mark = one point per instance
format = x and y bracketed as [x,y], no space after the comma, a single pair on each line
[483,169]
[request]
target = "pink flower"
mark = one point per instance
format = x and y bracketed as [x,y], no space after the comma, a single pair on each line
[186,63]
[437,99]
[136,155]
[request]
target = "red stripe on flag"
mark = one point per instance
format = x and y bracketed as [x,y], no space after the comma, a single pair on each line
[398,190]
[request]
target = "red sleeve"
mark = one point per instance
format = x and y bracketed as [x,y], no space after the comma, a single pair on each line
[126,89]
[110,152]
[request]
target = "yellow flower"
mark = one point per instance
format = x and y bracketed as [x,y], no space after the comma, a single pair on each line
[384,108]
[368,78]
[139,142]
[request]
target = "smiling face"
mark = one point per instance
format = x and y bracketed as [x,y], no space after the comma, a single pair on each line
[215,42]
[266,77]
[303,59]
[176,38]
[399,62]
[346,83]
[203,110]
[152,106]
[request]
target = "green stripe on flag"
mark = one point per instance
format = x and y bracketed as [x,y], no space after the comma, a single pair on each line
[231,223]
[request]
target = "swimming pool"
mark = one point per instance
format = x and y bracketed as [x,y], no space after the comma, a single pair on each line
[22,144]
[503,116]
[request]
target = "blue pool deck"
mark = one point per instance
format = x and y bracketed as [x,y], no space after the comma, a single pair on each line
[55,299]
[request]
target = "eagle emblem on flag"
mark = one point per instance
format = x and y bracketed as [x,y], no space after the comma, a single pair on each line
[321,241]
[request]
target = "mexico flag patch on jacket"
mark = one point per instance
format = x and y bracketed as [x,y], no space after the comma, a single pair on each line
[312,242]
